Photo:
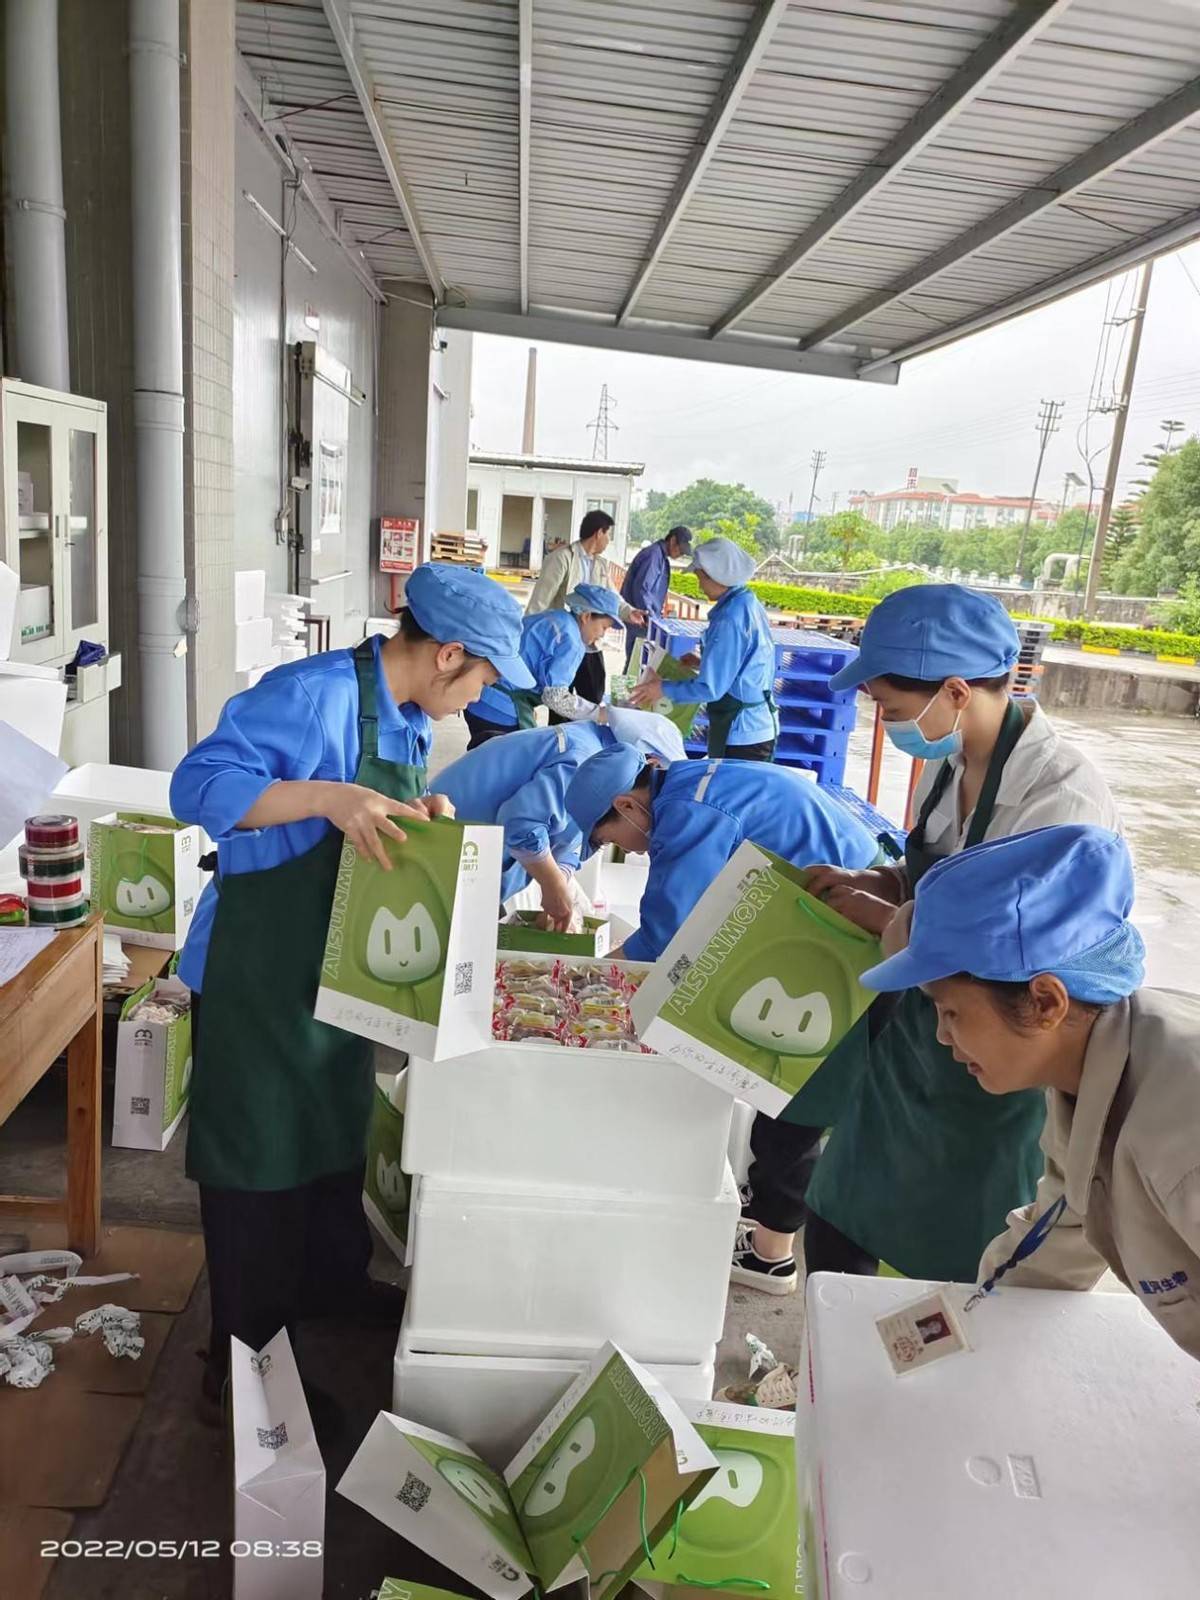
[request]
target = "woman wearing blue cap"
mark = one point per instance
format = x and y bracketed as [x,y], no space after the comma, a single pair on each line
[520,784]
[737,668]
[921,1165]
[321,750]
[553,643]
[1042,995]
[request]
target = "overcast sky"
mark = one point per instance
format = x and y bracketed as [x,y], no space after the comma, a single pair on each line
[965,412]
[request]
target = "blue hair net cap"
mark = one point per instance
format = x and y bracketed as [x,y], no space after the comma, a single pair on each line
[933,631]
[460,605]
[593,597]
[597,783]
[723,561]
[1056,900]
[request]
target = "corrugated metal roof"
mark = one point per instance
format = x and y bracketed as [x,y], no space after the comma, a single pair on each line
[580,465]
[883,173]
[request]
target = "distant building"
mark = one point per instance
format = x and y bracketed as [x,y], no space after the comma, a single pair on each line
[938,502]
[523,505]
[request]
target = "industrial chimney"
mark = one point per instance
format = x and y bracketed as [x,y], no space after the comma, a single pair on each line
[530,405]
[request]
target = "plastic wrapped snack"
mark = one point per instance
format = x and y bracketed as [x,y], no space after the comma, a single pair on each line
[532,1025]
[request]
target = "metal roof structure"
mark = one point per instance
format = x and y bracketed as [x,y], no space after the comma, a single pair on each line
[831,186]
[582,466]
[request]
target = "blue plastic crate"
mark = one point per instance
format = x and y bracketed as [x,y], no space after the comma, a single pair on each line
[675,635]
[872,819]
[798,711]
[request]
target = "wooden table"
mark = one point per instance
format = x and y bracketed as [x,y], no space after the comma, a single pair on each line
[53,1005]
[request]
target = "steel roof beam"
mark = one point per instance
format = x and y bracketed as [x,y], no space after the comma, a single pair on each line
[721,113]
[341,24]
[1129,253]
[525,123]
[1129,140]
[979,69]
[642,338]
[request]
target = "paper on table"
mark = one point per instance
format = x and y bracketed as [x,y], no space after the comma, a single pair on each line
[18,946]
[28,775]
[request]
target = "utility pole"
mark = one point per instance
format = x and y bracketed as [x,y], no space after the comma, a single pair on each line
[528,430]
[1071,480]
[1138,319]
[1047,423]
[602,426]
[818,461]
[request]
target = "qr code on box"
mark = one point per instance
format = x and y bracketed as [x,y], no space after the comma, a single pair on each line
[272,1438]
[464,977]
[414,1494]
[139,1105]
[679,970]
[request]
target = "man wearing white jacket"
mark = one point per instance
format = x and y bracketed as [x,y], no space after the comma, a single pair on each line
[563,570]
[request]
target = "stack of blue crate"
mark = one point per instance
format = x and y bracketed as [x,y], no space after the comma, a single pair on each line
[815,722]
[879,826]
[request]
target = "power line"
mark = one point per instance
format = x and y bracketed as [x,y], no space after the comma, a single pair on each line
[1047,423]
[818,461]
[602,426]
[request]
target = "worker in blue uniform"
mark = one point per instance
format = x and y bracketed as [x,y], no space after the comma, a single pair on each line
[324,750]
[692,816]
[647,580]
[737,668]
[520,784]
[553,643]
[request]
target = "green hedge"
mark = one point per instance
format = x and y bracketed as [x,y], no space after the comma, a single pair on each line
[1108,636]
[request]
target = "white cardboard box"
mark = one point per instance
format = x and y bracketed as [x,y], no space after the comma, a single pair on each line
[1058,1457]
[278,1478]
[252,643]
[535,1116]
[495,1402]
[556,1274]
[249,596]
[34,706]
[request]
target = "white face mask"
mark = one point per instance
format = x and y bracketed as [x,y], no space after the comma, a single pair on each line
[766,1015]
[907,736]
[646,812]
[403,949]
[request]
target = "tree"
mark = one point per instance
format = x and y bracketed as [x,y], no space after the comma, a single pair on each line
[704,502]
[741,531]
[1183,615]
[1122,531]
[880,584]
[849,534]
[1166,550]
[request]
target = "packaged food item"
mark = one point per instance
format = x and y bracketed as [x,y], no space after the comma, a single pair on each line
[518,972]
[601,994]
[532,1025]
[12,910]
[543,1004]
[605,1011]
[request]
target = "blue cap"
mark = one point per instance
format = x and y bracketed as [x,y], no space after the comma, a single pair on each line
[723,561]
[593,597]
[933,631]
[459,605]
[1056,900]
[597,783]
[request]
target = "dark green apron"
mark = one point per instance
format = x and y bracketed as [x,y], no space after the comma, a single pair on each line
[923,1165]
[525,704]
[279,1099]
[722,714]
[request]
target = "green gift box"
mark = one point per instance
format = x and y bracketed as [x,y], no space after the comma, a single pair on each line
[671,670]
[741,1536]
[588,1496]
[410,954]
[759,984]
[153,1071]
[521,932]
[145,877]
[398,1589]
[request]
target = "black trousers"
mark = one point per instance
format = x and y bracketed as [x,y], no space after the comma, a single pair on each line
[481,731]
[590,682]
[751,752]
[276,1256]
[785,1156]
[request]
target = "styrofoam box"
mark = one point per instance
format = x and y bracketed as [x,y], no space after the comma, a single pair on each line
[96,789]
[557,1273]
[249,596]
[34,706]
[543,1116]
[740,1153]
[252,643]
[1060,1456]
[494,1403]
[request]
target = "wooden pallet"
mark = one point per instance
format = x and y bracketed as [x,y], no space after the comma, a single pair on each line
[458,547]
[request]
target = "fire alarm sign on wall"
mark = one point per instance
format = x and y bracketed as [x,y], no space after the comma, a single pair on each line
[399,544]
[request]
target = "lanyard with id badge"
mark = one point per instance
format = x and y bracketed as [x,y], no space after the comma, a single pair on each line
[933,1326]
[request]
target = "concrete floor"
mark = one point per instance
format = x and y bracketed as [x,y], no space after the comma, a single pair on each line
[174,1481]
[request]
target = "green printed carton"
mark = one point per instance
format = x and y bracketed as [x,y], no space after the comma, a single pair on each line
[399,1589]
[521,932]
[145,877]
[154,1069]
[759,984]
[410,955]
[741,1536]
[385,1188]
[588,1496]
[671,670]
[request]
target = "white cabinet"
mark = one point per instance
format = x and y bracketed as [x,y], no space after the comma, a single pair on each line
[53,518]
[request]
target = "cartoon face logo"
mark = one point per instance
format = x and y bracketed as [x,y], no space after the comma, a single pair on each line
[548,1492]
[145,898]
[389,1180]
[738,1479]
[768,1016]
[473,1486]
[403,949]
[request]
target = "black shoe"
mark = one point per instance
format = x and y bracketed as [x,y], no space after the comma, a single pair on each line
[756,1272]
[213,1402]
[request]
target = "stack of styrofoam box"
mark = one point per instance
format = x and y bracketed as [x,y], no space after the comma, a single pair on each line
[287,613]
[1059,1455]
[255,652]
[562,1197]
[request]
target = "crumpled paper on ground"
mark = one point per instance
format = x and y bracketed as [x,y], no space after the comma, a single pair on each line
[26,1360]
[118,1326]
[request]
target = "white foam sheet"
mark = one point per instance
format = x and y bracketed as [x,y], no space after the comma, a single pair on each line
[1059,1458]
